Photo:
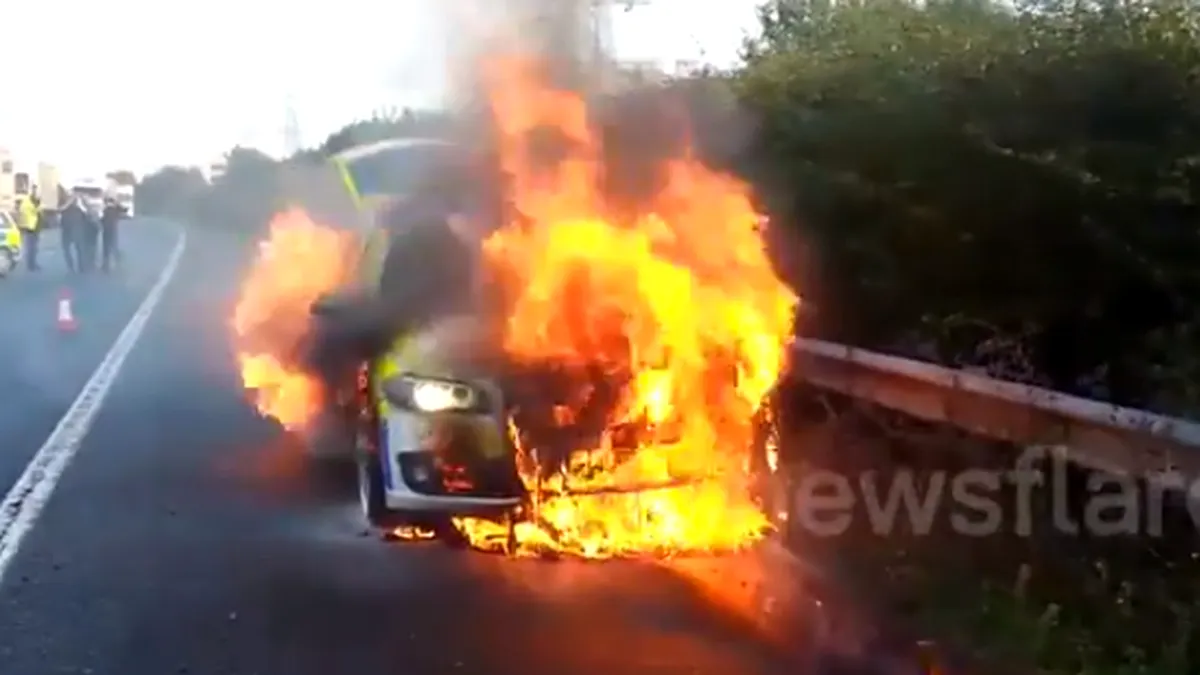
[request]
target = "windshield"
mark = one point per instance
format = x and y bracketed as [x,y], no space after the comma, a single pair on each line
[398,170]
[89,192]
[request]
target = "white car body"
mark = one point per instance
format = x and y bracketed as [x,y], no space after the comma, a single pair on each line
[406,433]
[10,245]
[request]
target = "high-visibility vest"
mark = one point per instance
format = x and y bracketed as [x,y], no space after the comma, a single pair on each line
[27,215]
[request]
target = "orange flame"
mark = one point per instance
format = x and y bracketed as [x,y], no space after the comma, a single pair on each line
[678,305]
[680,302]
[298,262]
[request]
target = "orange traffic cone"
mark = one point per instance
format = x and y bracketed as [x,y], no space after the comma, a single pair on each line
[66,317]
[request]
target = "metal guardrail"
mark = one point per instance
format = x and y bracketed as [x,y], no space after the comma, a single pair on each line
[1103,436]
[793,602]
[814,611]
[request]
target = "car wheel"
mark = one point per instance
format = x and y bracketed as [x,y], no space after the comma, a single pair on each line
[450,536]
[371,491]
[511,543]
[7,262]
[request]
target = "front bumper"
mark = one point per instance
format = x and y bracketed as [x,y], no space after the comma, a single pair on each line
[440,464]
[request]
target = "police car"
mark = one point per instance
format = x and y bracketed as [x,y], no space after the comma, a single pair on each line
[429,441]
[10,245]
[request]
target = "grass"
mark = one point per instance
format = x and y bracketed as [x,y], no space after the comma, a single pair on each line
[1045,602]
[1021,625]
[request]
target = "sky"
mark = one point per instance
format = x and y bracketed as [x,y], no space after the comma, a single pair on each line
[139,84]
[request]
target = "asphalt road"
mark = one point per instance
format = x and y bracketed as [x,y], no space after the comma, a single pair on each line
[43,369]
[188,537]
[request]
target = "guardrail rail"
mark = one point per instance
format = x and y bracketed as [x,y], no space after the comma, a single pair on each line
[1103,436]
[781,594]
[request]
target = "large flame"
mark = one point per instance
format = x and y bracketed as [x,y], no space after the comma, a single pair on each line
[300,261]
[679,304]
[677,307]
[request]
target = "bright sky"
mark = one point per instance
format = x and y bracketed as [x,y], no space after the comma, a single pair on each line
[138,84]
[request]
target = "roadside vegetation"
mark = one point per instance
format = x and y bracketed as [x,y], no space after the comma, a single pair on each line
[1005,187]
[1009,188]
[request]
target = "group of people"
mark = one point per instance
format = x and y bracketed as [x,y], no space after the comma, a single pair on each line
[81,230]
[85,233]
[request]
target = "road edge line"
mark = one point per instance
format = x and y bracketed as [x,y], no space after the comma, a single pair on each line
[29,495]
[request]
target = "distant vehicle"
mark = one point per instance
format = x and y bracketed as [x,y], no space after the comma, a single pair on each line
[22,178]
[8,192]
[10,245]
[49,186]
[124,195]
[91,193]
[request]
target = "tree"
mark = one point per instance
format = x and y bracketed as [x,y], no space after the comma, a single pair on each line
[967,170]
[170,191]
[122,177]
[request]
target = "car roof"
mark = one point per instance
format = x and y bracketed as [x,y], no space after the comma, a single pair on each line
[360,151]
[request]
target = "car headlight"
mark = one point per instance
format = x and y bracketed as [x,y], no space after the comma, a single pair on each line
[432,395]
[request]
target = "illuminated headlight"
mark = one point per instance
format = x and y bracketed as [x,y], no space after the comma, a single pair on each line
[434,395]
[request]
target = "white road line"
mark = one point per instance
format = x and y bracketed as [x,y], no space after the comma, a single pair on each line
[24,503]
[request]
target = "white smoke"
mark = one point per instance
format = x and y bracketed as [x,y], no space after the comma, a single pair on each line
[562,32]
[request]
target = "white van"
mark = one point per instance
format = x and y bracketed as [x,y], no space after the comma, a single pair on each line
[92,196]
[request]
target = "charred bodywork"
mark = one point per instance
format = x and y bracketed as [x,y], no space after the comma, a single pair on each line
[410,401]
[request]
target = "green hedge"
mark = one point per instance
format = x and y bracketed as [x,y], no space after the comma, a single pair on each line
[972,174]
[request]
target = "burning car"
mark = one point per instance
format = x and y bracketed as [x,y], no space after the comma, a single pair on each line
[609,407]
[405,394]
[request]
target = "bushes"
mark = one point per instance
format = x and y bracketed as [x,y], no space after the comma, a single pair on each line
[965,169]
[1005,184]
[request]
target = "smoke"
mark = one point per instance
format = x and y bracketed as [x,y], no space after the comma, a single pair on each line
[639,126]
[558,32]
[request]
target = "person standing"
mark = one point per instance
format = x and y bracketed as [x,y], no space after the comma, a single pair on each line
[89,237]
[27,220]
[72,222]
[109,220]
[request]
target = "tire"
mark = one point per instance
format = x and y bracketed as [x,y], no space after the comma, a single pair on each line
[511,543]
[371,492]
[8,262]
[449,535]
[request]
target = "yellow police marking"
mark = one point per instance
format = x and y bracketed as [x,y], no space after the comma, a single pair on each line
[348,181]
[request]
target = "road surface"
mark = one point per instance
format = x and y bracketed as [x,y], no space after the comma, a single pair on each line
[43,369]
[186,536]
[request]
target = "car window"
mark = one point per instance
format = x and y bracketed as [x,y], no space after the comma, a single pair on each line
[398,170]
